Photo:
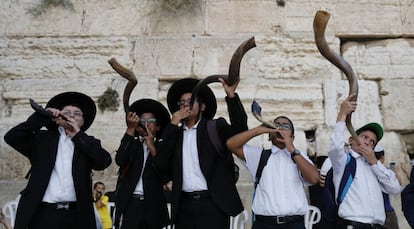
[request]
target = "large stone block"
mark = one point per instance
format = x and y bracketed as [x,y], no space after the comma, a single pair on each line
[164,57]
[243,17]
[301,102]
[368,110]
[57,57]
[287,58]
[115,18]
[373,18]
[407,17]
[213,55]
[300,15]
[53,21]
[397,104]
[381,59]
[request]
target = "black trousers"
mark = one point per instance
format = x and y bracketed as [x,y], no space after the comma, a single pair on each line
[50,218]
[201,214]
[133,216]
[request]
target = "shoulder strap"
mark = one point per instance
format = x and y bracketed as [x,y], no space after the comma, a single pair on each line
[264,157]
[347,178]
[213,135]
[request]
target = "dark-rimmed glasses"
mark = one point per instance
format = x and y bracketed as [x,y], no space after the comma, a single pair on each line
[147,120]
[283,126]
[72,113]
[184,102]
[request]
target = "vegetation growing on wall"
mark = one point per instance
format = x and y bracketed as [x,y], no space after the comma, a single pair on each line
[40,8]
[174,5]
[109,100]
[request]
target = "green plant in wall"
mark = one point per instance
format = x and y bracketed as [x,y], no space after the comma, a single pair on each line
[109,100]
[174,5]
[40,8]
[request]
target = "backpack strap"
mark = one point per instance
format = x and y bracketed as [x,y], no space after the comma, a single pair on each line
[347,178]
[264,157]
[213,135]
[214,138]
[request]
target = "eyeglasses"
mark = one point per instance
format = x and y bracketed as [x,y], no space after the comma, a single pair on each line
[184,102]
[72,113]
[147,120]
[283,126]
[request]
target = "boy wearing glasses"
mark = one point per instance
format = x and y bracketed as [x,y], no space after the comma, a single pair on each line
[58,194]
[280,200]
[140,198]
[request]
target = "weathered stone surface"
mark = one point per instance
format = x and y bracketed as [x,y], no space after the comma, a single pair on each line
[50,57]
[68,50]
[368,110]
[397,104]
[369,18]
[243,17]
[54,21]
[382,59]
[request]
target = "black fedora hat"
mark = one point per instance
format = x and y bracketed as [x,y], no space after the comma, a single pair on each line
[185,86]
[151,106]
[85,103]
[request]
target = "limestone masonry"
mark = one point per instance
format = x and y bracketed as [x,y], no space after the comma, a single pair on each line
[65,49]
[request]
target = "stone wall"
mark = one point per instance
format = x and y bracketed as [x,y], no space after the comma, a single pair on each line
[67,50]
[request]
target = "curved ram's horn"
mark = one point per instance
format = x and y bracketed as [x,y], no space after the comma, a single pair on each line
[257,113]
[319,25]
[234,69]
[130,76]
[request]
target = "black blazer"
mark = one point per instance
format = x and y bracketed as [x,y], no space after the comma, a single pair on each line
[130,158]
[217,167]
[40,147]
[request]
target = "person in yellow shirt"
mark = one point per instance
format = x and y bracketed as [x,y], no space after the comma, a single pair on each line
[101,204]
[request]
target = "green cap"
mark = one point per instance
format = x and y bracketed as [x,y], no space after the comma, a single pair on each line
[374,127]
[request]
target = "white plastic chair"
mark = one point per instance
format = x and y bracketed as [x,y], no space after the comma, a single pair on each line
[239,221]
[111,209]
[312,217]
[10,208]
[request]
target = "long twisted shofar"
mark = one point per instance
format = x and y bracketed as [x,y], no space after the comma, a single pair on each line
[319,25]
[130,76]
[233,76]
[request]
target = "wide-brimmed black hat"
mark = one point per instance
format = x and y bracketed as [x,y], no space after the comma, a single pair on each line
[186,85]
[151,106]
[85,103]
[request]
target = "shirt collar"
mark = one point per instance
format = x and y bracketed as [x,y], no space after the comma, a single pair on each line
[275,149]
[194,127]
[355,154]
[62,131]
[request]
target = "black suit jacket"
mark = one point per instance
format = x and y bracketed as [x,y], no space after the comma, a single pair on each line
[407,200]
[130,158]
[217,167]
[40,147]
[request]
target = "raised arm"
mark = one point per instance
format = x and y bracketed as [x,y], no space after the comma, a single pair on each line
[235,143]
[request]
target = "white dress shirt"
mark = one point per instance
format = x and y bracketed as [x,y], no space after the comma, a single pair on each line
[139,189]
[193,178]
[363,202]
[281,188]
[60,187]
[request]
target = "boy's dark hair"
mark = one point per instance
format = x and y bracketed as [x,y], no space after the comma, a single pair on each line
[98,183]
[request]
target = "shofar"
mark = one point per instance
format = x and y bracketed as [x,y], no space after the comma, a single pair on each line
[319,25]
